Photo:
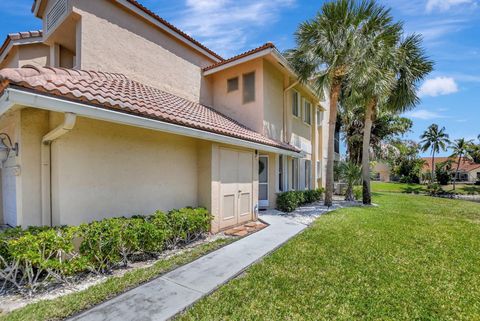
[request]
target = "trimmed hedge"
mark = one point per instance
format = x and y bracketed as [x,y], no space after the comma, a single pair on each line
[289,201]
[37,256]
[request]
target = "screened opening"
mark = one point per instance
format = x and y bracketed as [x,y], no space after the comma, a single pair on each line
[232,84]
[307,114]
[249,87]
[295,104]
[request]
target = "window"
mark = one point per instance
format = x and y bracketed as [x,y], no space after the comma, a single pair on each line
[308,171]
[319,117]
[248,87]
[295,104]
[232,84]
[319,169]
[280,173]
[307,112]
[295,173]
[478,175]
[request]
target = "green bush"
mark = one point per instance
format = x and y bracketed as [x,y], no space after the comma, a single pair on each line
[36,255]
[358,192]
[289,201]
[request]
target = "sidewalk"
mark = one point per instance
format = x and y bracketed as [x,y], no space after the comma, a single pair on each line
[175,291]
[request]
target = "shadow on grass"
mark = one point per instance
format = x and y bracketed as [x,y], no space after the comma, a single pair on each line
[412,190]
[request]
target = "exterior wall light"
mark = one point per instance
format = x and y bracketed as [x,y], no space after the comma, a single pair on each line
[5,148]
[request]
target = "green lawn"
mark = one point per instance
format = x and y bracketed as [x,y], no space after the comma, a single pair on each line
[412,258]
[401,187]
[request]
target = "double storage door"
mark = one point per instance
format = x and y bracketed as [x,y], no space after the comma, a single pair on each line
[236,177]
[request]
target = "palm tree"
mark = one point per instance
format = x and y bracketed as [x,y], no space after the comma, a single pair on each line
[351,173]
[436,139]
[460,149]
[329,49]
[394,72]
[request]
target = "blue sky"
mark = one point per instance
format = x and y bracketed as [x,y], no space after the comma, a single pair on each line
[450,28]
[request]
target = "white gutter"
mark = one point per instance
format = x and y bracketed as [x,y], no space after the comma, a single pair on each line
[46,167]
[29,99]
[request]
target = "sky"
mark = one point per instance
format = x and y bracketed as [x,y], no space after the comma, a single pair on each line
[450,29]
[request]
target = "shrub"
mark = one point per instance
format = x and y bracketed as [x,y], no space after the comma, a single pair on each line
[435,190]
[358,192]
[36,255]
[289,201]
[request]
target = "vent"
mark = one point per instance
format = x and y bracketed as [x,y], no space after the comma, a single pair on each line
[58,10]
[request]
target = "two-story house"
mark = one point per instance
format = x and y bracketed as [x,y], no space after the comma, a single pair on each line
[113,111]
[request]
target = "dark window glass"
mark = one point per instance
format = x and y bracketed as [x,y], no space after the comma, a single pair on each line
[232,84]
[249,87]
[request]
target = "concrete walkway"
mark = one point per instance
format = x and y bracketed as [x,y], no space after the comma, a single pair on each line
[164,297]
[173,292]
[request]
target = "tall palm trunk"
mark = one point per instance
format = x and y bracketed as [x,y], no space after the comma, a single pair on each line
[433,167]
[332,122]
[367,132]
[456,172]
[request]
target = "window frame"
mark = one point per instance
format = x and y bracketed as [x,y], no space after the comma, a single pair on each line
[304,105]
[228,82]
[295,173]
[244,86]
[299,103]
[308,174]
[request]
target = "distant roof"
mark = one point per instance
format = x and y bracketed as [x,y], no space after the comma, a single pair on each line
[20,36]
[162,21]
[117,92]
[465,165]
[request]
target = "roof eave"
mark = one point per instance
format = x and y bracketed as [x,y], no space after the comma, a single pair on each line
[13,96]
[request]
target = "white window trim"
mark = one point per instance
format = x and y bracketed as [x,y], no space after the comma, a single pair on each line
[299,104]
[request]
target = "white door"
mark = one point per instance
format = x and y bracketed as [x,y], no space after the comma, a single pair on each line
[263,181]
[9,193]
[236,176]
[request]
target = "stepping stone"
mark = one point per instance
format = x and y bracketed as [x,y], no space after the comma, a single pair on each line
[241,233]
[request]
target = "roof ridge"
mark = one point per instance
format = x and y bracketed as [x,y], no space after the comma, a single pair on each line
[241,55]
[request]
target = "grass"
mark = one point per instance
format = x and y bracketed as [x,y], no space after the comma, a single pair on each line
[63,307]
[391,187]
[412,258]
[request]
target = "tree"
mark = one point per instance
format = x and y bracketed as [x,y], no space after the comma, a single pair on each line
[395,71]
[404,160]
[435,139]
[386,127]
[351,173]
[329,49]
[460,149]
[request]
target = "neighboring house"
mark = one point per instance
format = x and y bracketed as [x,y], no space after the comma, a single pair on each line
[469,172]
[158,121]
[382,172]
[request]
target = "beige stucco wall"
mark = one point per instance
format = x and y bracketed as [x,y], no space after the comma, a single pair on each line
[231,104]
[102,169]
[114,40]
[273,101]
[473,175]
[31,54]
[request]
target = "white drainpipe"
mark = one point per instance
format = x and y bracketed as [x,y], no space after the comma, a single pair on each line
[285,112]
[65,127]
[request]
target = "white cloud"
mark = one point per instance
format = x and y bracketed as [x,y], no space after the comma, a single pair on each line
[424,114]
[438,86]
[226,25]
[444,5]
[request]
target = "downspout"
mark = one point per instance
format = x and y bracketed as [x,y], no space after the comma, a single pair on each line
[62,129]
[285,111]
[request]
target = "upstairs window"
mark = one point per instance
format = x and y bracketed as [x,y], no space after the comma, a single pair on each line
[319,117]
[249,87]
[307,112]
[232,84]
[296,104]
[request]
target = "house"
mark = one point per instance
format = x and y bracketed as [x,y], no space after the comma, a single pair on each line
[382,172]
[468,171]
[113,111]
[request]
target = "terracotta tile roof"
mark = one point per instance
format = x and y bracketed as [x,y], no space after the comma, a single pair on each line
[465,165]
[240,56]
[166,23]
[117,92]
[18,36]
